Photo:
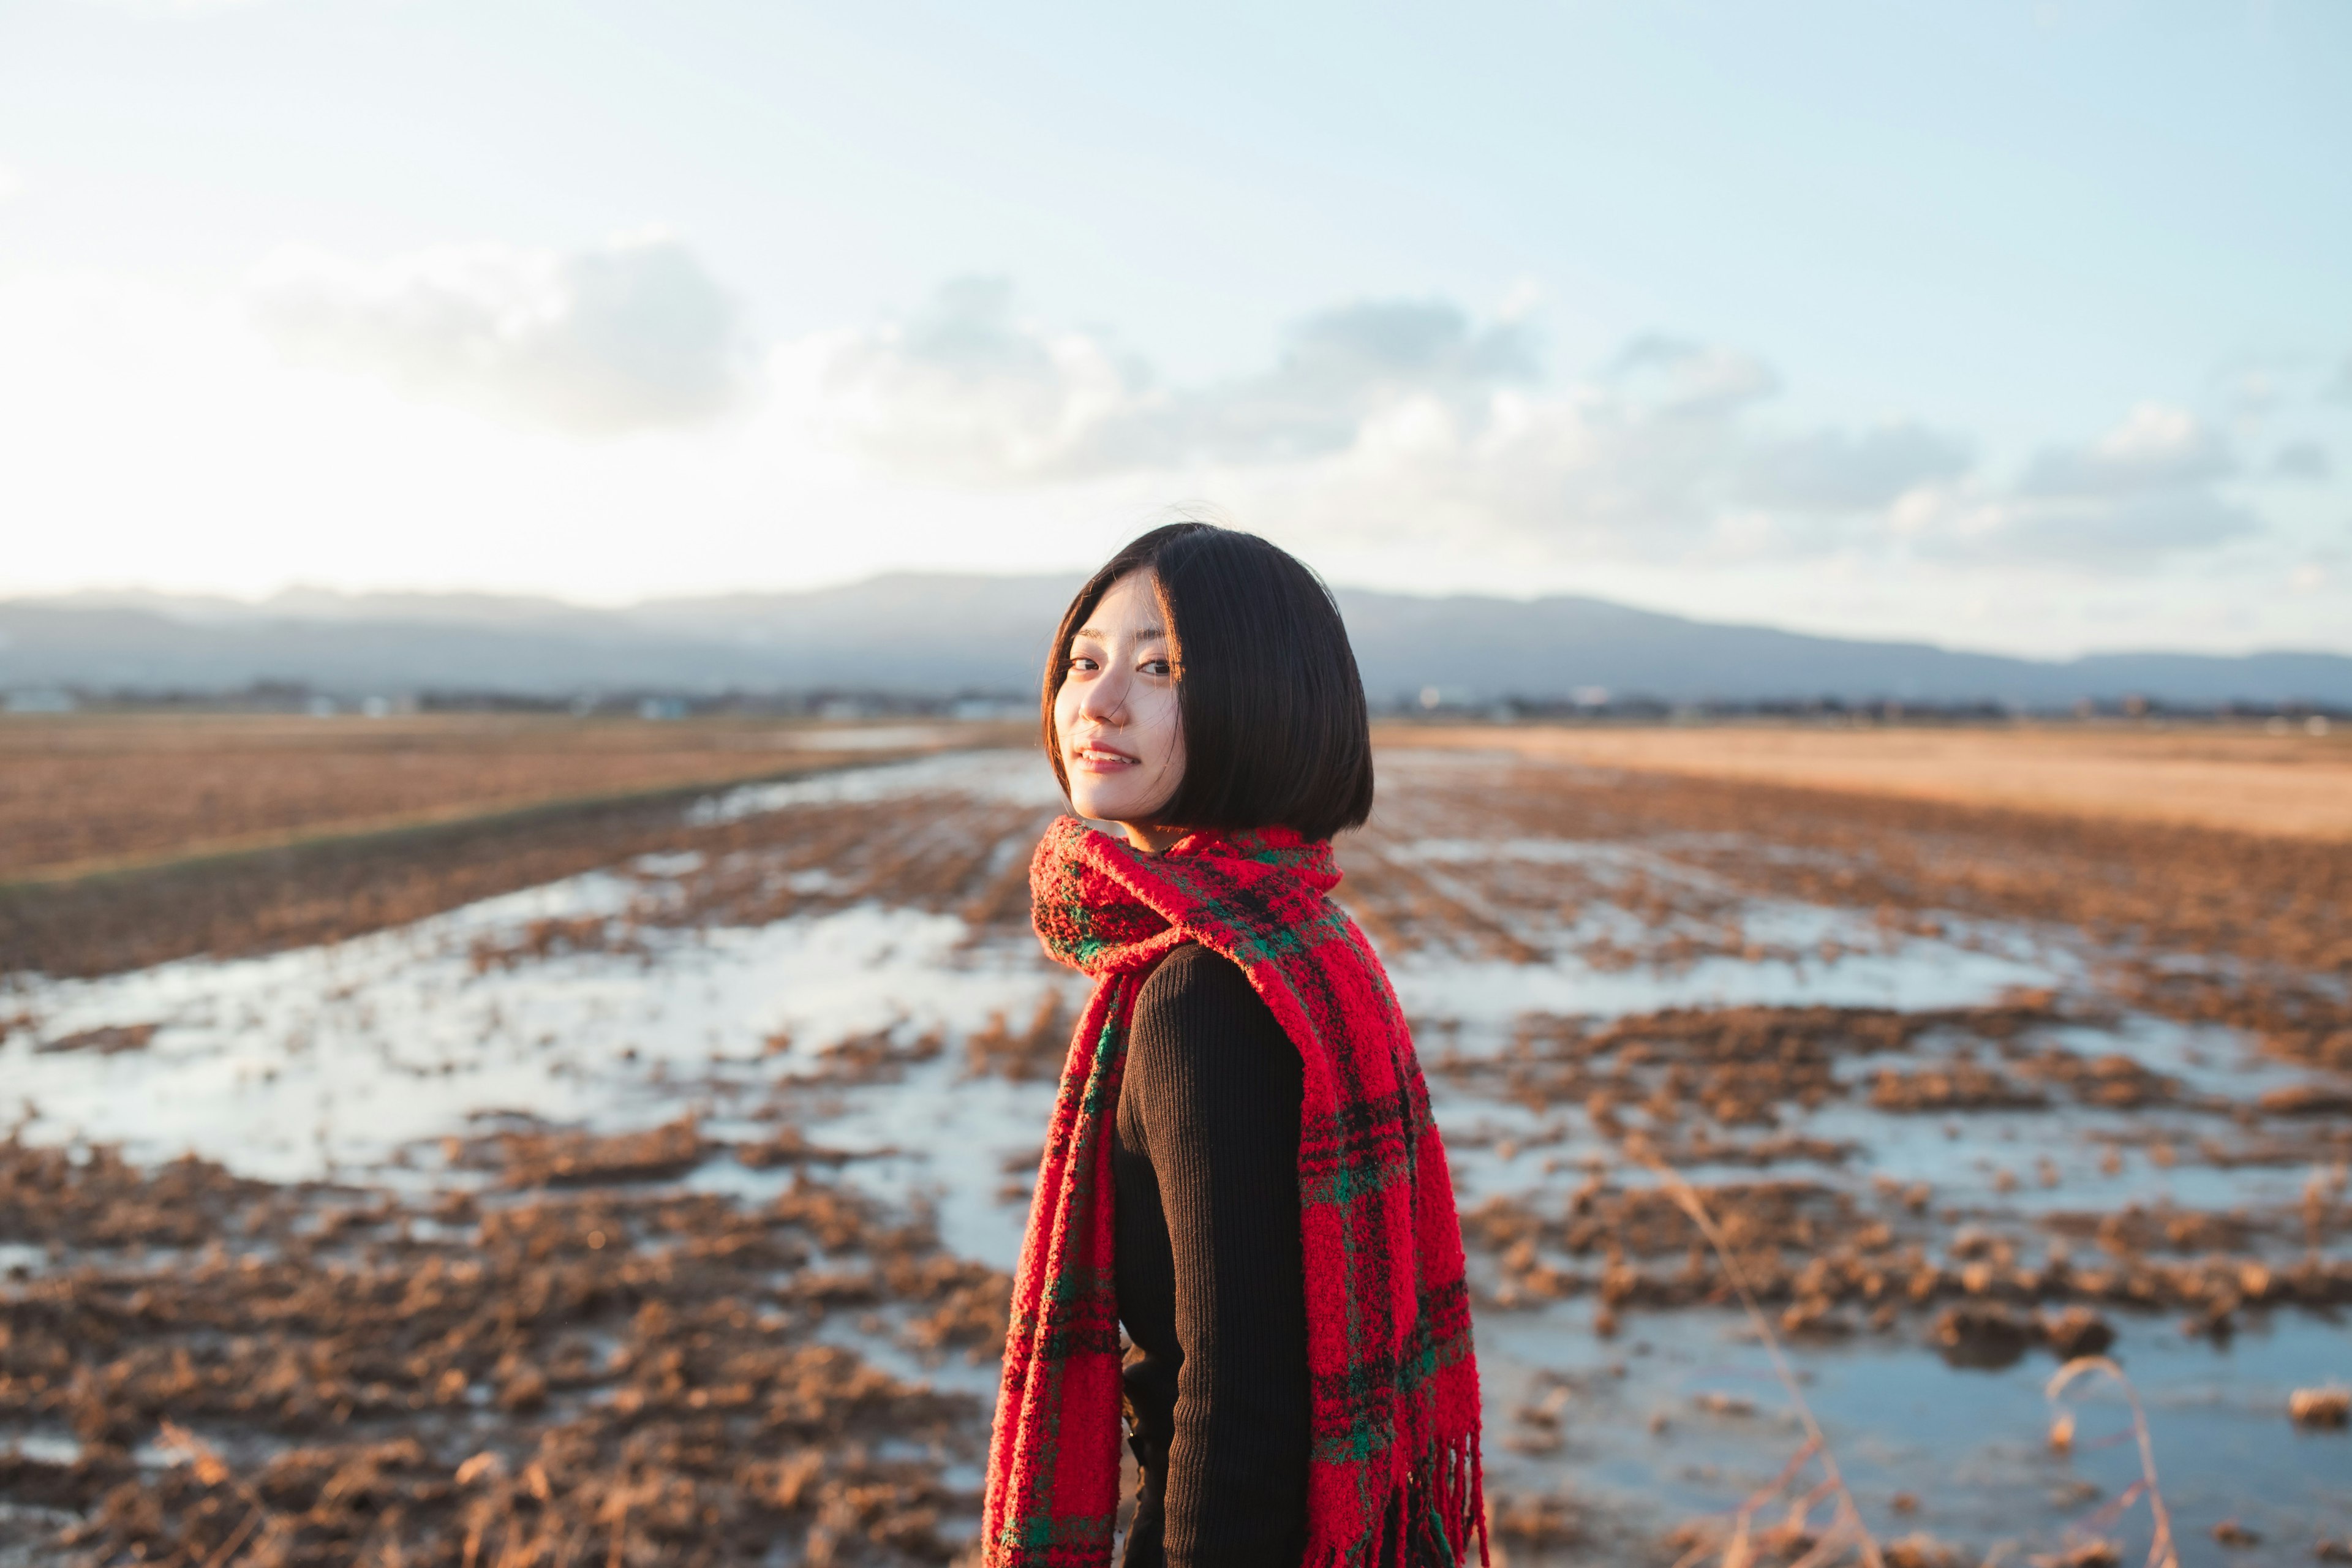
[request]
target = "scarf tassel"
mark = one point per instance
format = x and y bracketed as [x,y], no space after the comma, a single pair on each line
[1436,1511]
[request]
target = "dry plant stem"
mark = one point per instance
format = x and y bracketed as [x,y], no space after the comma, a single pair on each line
[212,1471]
[1846,1528]
[2161,1552]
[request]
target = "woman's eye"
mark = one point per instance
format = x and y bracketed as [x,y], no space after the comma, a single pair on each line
[1080,663]
[1155,667]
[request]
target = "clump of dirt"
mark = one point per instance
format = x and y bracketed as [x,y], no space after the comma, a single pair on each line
[1737,1067]
[1988,1334]
[571,1159]
[1535,1523]
[2114,1081]
[92,1200]
[2305,1100]
[1821,1255]
[543,939]
[111,1040]
[1034,1053]
[1956,1085]
[2136,1229]
[604,1375]
[2320,1406]
[790,1146]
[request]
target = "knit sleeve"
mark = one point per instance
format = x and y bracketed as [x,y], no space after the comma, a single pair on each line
[1219,1085]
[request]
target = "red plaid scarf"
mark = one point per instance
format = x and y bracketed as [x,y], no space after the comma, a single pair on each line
[1392,1470]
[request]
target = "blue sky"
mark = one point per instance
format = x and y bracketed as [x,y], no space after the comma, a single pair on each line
[2014,326]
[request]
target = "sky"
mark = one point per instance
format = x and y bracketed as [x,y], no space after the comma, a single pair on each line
[2014,326]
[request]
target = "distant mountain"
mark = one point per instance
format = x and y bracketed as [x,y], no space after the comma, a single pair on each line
[922,634]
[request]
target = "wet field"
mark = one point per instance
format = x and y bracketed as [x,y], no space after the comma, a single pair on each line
[659,1210]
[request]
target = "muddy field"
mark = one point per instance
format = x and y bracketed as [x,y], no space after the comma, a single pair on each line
[654,1205]
[97,792]
[2284,777]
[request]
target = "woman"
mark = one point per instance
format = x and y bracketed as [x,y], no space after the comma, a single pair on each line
[1242,1170]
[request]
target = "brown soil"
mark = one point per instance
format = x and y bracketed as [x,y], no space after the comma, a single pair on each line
[1737,1067]
[1835,1264]
[615,1375]
[287,897]
[88,793]
[2188,922]
[2236,777]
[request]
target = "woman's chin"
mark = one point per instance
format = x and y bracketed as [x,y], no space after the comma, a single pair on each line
[1110,805]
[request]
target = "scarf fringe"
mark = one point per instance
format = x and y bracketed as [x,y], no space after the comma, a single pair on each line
[1436,1510]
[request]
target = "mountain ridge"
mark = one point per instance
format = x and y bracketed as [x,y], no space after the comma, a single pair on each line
[916,634]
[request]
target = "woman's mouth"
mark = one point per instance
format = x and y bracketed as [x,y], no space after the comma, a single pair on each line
[1100,759]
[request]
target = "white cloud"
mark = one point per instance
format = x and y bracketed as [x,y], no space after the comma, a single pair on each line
[1384,422]
[633,335]
[965,391]
[1671,377]
[2304,462]
[1833,470]
[11,183]
[968,390]
[2156,450]
[1377,420]
[2144,489]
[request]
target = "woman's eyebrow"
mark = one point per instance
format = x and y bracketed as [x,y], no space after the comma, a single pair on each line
[1143,633]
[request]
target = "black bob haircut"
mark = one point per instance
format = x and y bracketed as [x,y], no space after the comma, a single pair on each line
[1276,729]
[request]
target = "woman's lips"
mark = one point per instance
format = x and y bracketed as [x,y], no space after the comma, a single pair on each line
[1100,759]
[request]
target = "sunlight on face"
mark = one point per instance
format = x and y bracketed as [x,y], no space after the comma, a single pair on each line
[1115,716]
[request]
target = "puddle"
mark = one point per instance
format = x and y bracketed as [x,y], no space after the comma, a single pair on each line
[1654,1419]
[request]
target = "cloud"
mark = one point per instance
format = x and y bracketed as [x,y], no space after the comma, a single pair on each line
[2156,450]
[1380,423]
[1837,470]
[2145,489]
[2306,461]
[631,335]
[1380,418]
[968,390]
[1675,378]
[11,183]
[1338,370]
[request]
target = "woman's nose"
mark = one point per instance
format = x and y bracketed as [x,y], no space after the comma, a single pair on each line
[1106,697]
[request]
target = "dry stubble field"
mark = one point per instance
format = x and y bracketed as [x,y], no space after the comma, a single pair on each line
[637,1184]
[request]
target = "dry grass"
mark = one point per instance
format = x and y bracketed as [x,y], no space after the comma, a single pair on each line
[93,792]
[1845,1537]
[2295,786]
[1812,1478]
[2162,1552]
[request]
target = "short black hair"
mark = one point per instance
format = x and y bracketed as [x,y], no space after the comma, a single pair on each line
[1276,729]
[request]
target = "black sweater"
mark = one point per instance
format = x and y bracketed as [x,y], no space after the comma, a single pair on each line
[1211,1285]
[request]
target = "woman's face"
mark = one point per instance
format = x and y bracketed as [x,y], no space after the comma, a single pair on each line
[1115,716]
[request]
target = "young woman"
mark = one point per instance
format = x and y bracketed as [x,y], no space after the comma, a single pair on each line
[1242,1170]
